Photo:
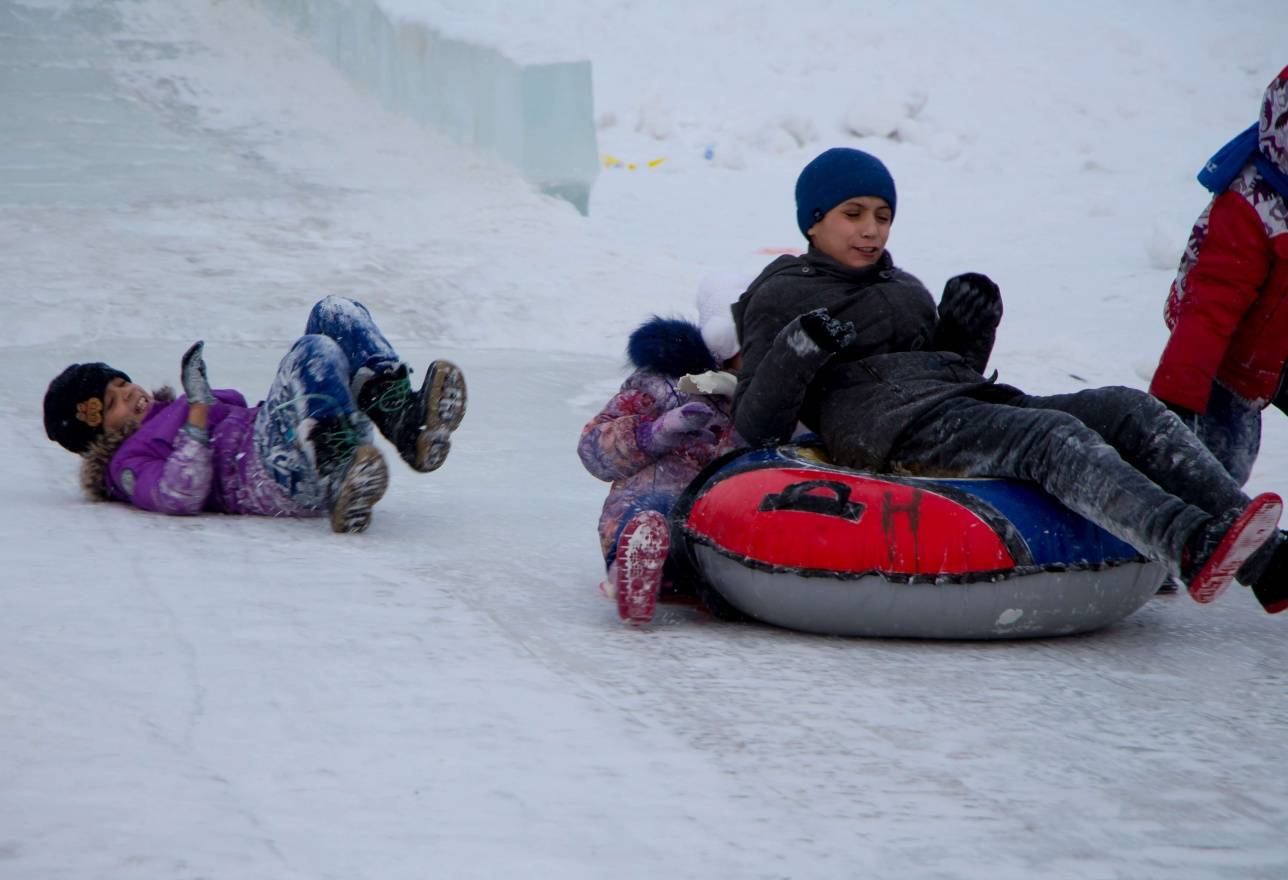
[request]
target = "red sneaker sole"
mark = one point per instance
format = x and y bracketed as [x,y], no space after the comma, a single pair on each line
[641,553]
[1252,529]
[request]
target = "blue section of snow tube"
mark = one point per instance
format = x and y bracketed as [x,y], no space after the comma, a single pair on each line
[1054,533]
[756,456]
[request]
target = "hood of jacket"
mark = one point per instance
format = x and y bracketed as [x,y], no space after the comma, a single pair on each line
[1272,127]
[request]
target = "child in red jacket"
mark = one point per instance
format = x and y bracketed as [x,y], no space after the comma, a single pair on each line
[1228,307]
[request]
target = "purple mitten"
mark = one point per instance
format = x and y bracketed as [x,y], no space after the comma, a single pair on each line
[681,426]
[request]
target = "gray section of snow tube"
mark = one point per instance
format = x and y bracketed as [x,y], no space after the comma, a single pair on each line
[1045,603]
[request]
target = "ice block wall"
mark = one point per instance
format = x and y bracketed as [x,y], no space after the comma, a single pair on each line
[540,117]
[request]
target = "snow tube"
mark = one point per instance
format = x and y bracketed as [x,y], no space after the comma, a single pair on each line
[790,539]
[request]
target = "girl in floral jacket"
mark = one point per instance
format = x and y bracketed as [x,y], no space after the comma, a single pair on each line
[303,451]
[668,421]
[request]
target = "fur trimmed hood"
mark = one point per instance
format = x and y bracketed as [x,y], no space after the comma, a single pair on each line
[670,346]
[95,459]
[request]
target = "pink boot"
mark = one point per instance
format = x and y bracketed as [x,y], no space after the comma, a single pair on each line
[641,553]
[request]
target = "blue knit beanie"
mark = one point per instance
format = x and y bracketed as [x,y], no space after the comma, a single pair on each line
[836,175]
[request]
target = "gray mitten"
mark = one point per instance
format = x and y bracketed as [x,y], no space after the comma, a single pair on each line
[192,374]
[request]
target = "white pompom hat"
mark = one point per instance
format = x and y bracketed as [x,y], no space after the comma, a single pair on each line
[717,292]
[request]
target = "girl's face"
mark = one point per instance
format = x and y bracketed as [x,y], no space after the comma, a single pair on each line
[854,233]
[123,401]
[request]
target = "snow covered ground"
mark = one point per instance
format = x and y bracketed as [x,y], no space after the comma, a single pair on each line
[447,695]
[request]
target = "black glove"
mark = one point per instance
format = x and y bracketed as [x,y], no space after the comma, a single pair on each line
[828,333]
[973,302]
[192,374]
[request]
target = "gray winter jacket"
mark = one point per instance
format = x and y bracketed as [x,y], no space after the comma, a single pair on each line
[904,362]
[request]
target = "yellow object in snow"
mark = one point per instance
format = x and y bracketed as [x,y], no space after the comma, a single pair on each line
[614,162]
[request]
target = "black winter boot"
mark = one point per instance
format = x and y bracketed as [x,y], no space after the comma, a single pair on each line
[1268,576]
[364,484]
[356,473]
[334,442]
[417,422]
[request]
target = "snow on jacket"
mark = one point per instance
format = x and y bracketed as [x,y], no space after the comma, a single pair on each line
[609,450]
[1228,307]
[157,466]
[904,362]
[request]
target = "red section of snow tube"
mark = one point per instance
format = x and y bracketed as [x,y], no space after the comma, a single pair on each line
[808,519]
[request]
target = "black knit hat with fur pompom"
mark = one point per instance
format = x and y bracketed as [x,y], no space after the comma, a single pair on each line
[671,346]
[74,404]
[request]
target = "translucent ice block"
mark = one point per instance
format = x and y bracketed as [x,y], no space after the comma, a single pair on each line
[539,117]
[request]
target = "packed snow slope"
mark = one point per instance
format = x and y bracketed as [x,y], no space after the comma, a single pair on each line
[447,695]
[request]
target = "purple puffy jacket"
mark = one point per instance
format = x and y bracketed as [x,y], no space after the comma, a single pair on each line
[162,469]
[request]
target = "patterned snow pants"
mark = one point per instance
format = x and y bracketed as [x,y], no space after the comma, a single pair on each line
[317,382]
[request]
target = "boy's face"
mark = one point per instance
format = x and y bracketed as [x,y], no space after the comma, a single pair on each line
[123,401]
[854,233]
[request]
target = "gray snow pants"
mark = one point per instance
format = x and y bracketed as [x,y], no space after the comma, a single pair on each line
[1231,428]
[1115,455]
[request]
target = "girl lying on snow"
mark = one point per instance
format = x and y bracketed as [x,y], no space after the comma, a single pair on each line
[855,348]
[668,421]
[303,451]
